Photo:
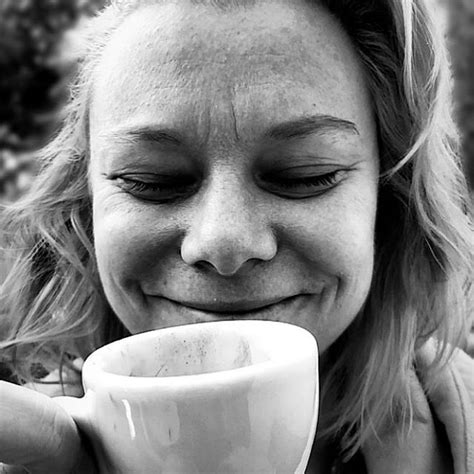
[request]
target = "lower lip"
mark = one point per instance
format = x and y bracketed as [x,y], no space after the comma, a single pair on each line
[271,312]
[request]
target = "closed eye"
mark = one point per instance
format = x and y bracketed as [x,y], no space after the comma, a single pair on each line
[302,186]
[157,188]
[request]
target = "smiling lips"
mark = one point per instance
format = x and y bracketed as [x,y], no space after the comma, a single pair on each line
[241,307]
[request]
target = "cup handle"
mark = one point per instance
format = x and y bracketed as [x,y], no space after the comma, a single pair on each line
[78,408]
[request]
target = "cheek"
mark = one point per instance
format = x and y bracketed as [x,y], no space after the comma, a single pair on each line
[131,246]
[337,243]
[337,235]
[353,239]
[129,243]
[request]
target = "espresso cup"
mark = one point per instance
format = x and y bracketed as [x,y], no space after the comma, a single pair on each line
[217,397]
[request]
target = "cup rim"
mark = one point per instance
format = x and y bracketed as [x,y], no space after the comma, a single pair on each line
[95,376]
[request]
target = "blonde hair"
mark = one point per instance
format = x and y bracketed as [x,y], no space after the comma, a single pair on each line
[424,244]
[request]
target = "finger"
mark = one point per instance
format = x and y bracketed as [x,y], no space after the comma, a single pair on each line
[35,432]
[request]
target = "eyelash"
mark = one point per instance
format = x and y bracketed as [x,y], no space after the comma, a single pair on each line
[327,179]
[170,191]
[141,186]
[182,187]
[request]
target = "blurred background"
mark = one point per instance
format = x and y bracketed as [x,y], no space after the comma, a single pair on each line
[38,55]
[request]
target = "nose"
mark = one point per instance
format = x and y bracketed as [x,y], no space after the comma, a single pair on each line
[229,231]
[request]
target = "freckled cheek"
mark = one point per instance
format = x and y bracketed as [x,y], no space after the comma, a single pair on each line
[354,256]
[339,242]
[129,247]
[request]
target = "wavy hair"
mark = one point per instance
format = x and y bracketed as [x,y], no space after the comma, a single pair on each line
[424,239]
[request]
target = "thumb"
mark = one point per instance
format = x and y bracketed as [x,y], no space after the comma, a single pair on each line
[38,434]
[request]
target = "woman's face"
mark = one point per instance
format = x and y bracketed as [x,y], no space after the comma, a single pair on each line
[234,168]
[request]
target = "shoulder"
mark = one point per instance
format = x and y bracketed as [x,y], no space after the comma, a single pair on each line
[463,366]
[456,378]
[452,401]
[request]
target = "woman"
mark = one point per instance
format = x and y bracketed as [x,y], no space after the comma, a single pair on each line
[293,161]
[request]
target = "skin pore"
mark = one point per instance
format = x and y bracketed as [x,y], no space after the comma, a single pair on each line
[234,168]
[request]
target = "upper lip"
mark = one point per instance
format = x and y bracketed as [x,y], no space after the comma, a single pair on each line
[240,306]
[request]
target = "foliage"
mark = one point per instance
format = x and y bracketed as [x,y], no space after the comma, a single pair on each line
[30,32]
[33,72]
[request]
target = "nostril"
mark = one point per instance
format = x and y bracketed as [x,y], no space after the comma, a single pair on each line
[224,267]
[205,266]
[227,268]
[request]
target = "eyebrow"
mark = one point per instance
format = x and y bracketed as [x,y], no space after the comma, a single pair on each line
[305,126]
[146,134]
[298,128]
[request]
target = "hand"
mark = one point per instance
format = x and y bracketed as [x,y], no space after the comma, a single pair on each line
[36,434]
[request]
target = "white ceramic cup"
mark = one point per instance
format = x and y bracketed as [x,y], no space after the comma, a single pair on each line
[218,397]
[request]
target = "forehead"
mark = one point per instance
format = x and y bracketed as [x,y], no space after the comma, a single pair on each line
[170,54]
